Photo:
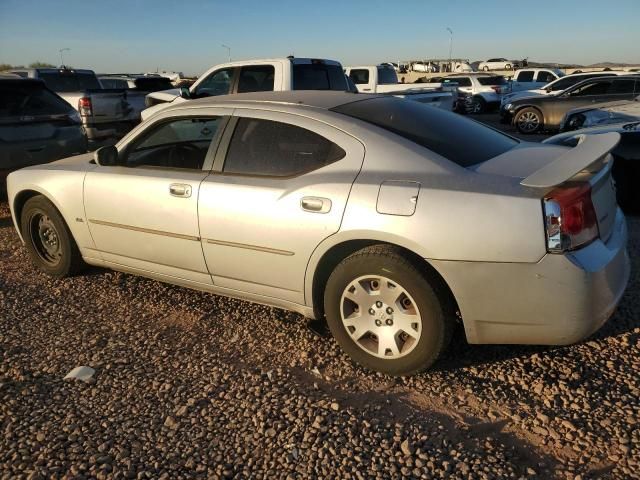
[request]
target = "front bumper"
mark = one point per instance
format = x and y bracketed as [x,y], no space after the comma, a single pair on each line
[560,300]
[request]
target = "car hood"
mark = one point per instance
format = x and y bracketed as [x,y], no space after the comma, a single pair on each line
[77,163]
[521,161]
[512,97]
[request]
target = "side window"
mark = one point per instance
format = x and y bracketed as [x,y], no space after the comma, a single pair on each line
[179,143]
[600,87]
[525,76]
[359,76]
[268,148]
[462,81]
[545,77]
[218,83]
[622,87]
[256,78]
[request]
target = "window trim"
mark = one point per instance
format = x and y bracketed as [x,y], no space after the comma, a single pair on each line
[207,165]
[225,143]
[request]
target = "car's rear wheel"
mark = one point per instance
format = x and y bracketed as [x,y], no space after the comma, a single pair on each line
[486,69]
[478,105]
[48,239]
[385,313]
[529,120]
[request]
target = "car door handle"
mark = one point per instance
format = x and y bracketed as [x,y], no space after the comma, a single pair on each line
[315,204]
[180,190]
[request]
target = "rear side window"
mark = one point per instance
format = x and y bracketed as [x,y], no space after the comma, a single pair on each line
[525,76]
[267,148]
[494,80]
[452,136]
[387,76]
[318,76]
[461,81]
[359,76]
[545,77]
[256,78]
[68,81]
[623,86]
[29,99]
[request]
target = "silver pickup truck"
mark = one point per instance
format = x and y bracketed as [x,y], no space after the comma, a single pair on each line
[104,112]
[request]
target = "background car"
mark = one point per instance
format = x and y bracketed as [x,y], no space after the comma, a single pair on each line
[495,64]
[481,91]
[532,114]
[601,114]
[465,219]
[36,126]
[137,88]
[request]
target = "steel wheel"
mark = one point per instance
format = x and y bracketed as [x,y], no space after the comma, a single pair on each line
[45,238]
[380,316]
[528,121]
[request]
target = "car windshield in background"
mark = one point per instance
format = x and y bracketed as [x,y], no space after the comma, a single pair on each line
[452,136]
[387,76]
[29,99]
[495,80]
[318,76]
[69,81]
[153,84]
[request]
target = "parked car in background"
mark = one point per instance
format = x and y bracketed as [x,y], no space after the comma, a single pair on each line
[104,113]
[390,252]
[626,155]
[482,90]
[383,79]
[426,67]
[137,88]
[533,114]
[495,64]
[601,114]
[532,78]
[555,87]
[280,74]
[36,126]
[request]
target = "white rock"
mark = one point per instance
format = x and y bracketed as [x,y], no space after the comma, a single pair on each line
[81,373]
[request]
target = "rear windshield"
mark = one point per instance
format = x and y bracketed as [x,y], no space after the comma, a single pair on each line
[318,76]
[30,99]
[387,76]
[69,81]
[495,80]
[452,136]
[153,84]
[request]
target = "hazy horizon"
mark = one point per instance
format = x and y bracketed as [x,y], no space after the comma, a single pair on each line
[142,36]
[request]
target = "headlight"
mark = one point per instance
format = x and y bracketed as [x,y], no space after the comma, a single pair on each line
[508,106]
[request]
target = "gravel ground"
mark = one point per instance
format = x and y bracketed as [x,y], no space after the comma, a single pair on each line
[190,385]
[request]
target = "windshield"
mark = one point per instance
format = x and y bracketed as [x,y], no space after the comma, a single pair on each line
[452,136]
[495,80]
[318,76]
[69,81]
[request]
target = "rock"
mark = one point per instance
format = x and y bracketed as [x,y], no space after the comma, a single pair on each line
[171,422]
[82,373]
[335,406]
[407,447]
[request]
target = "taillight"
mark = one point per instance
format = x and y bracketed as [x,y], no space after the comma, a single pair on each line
[497,89]
[570,218]
[84,106]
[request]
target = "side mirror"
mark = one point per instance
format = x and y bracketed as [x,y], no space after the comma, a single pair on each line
[548,89]
[185,93]
[106,156]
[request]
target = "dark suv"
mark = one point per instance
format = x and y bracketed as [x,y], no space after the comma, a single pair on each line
[36,126]
[532,114]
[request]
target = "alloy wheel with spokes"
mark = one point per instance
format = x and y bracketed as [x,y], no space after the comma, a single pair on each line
[528,121]
[380,316]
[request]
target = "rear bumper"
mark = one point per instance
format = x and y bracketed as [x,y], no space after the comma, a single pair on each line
[560,300]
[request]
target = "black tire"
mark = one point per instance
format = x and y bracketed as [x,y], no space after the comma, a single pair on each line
[486,69]
[48,239]
[432,302]
[507,66]
[478,105]
[528,120]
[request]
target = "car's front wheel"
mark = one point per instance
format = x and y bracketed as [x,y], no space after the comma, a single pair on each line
[486,69]
[48,239]
[529,120]
[478,105]
[387,314]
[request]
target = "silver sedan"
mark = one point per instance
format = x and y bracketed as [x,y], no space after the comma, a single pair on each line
[390,219]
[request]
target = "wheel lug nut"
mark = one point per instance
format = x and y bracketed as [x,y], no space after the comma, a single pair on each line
[379,304]
[372,311]
[378,323]
[389,322]
[389,310]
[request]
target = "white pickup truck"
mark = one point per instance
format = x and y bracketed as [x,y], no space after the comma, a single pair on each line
[267,75]
[383,79]
[531,78]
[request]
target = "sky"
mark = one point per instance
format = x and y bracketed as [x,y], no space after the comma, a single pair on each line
[143,35]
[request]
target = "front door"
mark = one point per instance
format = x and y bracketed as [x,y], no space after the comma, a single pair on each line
[280,190]
[143,214]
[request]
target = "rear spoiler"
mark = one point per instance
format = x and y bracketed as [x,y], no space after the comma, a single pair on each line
[589,150]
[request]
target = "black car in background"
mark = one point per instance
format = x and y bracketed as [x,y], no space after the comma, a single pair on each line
[533,114]
[36,126]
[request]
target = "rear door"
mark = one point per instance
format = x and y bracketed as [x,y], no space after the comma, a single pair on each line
[523,81]
[279,187]
[360,77]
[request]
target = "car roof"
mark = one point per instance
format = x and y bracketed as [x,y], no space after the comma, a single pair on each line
[322,99]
